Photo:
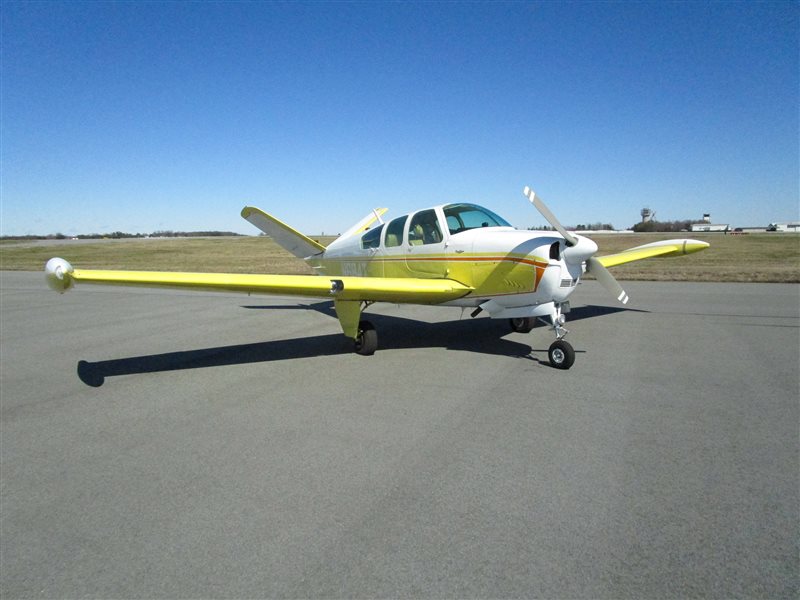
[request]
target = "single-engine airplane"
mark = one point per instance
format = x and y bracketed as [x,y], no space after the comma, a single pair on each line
[459,255]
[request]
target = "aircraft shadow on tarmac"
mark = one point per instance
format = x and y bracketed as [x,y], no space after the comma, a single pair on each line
[480,335]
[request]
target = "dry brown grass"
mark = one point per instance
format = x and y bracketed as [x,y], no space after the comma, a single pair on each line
[215,255]
[767,257]
[743,258]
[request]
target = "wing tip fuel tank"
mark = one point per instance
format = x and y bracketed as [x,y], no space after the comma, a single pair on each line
[58,273]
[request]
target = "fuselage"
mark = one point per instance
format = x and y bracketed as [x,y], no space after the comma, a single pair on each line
[466,243]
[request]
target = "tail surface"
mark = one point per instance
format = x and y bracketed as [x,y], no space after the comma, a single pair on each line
[289,238]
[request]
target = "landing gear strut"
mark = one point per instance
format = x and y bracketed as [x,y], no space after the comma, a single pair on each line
[561,353]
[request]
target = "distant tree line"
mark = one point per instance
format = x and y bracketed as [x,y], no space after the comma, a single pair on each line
[583,227]
[116,235]
[664,226]
[648,227]
[595,227]
[193,233]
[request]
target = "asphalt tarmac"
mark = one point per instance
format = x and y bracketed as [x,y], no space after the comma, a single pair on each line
[160,444]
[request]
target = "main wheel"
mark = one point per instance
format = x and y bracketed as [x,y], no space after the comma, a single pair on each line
[561,354]
[367,340]
[522,324]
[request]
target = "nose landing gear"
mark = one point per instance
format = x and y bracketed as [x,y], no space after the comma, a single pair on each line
[561,353]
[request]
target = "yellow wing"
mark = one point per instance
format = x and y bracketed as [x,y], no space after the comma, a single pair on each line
[663,248]
[61,276]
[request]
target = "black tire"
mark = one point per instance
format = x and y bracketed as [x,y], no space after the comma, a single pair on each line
[522,324]
[367,340]
[561,354]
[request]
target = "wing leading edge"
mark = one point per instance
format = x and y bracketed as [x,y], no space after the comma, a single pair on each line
[61,276]
[663,248]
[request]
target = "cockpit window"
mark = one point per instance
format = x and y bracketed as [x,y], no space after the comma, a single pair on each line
[394,232]
[461,217]
[372,238]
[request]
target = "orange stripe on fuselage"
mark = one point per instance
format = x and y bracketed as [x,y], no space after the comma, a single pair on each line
[414,258]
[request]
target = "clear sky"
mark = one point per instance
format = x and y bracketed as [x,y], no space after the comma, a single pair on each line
[140,116]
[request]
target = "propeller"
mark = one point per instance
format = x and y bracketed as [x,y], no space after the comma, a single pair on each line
[606,279]
[549,216]
[579,249]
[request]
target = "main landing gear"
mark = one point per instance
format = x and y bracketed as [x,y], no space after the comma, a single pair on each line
[367,339]
[522,324]
[353,326]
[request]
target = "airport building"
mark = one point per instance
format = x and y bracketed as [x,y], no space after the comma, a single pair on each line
[707,226]
[789,227]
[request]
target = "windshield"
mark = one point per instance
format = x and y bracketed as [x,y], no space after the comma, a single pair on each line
[462,217]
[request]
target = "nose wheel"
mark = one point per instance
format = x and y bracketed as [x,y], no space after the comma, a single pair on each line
[561,354]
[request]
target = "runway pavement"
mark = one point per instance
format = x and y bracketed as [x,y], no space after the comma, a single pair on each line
[160,444]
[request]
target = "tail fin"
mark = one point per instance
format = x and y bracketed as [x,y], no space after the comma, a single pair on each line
[364,223]
[291,239]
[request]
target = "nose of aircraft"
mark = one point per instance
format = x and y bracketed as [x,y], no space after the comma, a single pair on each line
[584,249]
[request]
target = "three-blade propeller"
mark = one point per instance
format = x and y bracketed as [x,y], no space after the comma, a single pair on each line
[584,249]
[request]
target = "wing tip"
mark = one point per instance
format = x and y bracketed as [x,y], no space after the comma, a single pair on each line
[691,246]
[58,273]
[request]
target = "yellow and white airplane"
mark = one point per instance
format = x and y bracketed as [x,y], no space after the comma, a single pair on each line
[452,255]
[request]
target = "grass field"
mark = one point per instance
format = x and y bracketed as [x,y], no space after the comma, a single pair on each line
[740,258]
[773,258]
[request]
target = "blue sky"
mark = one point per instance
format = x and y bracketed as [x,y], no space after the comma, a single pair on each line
[140,116]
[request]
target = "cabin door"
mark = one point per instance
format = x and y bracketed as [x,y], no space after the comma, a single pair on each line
[425,245]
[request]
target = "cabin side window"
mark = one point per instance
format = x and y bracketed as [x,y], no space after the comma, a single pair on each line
[424,228]
[394,232]
[372,238]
